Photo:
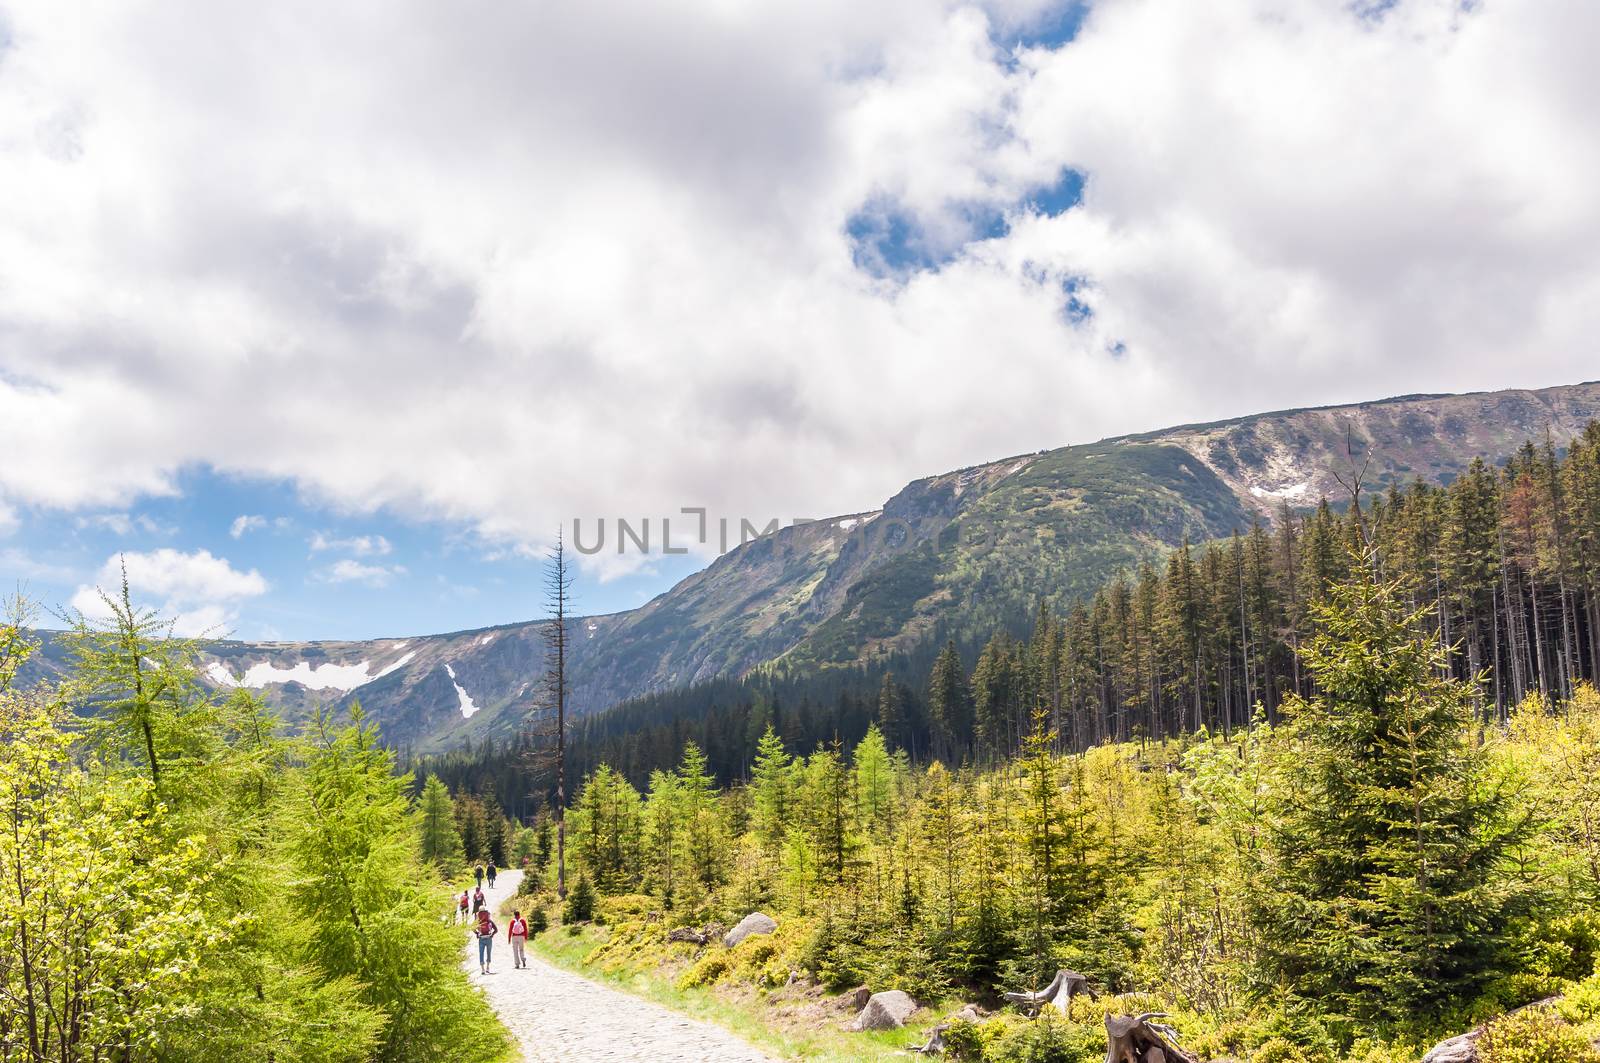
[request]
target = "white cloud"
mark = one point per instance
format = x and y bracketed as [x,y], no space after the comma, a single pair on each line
[347,570]
[359,545]
[509,294]
[8,519]
[125,524]
[198,591]
[244,523]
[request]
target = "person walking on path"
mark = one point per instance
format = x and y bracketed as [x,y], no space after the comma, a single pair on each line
[477,873]
[517,934]
[490,874]
[485,932]
[477,900]
[462,904]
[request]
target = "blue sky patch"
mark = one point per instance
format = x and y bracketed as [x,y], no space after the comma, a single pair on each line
[330,574]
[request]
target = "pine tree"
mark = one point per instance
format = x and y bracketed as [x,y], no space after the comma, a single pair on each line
[892,720]
[874,782]
[771,789]
[441,843]
[949,704]
[1385,893]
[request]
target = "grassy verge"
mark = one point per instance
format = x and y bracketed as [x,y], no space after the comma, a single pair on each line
[787,1024]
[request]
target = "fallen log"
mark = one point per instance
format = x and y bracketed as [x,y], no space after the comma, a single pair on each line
[1139,1039]
[1058,993]
[695,935]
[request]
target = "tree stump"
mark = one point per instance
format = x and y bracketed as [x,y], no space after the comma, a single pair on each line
[1058,993]
[1136,1039]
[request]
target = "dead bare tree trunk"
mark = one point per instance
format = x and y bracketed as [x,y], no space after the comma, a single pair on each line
[1057,994]
[558,598]
[1138,1039]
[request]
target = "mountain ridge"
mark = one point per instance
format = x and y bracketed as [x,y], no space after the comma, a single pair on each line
[970,549]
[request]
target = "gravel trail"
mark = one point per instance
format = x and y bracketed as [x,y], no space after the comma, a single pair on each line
[556,1015]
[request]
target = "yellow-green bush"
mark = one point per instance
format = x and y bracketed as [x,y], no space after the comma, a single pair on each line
[706,971]
[1581,1002]
[627,907]
[1281,1050]
[1535,1035]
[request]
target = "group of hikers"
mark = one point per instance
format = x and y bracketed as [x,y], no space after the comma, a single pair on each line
[484,927]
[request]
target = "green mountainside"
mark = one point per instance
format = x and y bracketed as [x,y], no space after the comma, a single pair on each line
[964,551]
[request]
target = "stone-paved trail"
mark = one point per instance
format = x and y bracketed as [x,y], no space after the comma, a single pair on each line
[560,1016]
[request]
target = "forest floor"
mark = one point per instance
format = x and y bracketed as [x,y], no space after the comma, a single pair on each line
[558,1015]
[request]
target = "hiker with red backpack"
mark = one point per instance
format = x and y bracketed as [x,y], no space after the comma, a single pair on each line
[462,903]
[485,932]
[517,934]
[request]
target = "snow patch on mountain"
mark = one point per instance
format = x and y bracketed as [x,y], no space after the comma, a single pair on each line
[218,673]
[1298,490]
[468,707]
[341,677]
[486,639]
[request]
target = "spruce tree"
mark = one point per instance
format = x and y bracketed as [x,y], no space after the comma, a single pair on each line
[949,704]
[771,791]
[1384,893]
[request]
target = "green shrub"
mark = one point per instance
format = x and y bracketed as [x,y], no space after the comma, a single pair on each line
[538,922]
[1281,1050]
[1049,1039]
[1581,1003]
[1535,1035]
[709,968]
[963,1041]
[580,902]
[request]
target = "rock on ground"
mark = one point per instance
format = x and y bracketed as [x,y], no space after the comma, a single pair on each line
[754,923]
[885,1011]
[559,1016]
[1461,1049]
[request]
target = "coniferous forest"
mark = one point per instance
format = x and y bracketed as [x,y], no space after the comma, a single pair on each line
[1320,791]
[1328,790]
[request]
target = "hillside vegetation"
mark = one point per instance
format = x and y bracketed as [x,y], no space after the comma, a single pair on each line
[182,880]
[1382,867]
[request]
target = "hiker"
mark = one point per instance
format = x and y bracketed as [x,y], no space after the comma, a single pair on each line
[477,873]
[461,907]
[485,932]
[477,900]
[491,874]
[517,934]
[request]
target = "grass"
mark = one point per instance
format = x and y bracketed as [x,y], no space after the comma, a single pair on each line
[740,1010]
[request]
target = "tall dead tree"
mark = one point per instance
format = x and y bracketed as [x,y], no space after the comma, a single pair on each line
[558,600]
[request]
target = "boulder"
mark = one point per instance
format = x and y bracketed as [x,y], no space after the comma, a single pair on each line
[885,1011]
[1459,1049]
[967,1013]
[754,923]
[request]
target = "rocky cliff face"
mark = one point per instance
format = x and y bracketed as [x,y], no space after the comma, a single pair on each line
[966,550]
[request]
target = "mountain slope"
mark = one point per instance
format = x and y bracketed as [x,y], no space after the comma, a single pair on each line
[966,550]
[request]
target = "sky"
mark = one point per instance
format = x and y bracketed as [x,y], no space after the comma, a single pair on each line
[324,318]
